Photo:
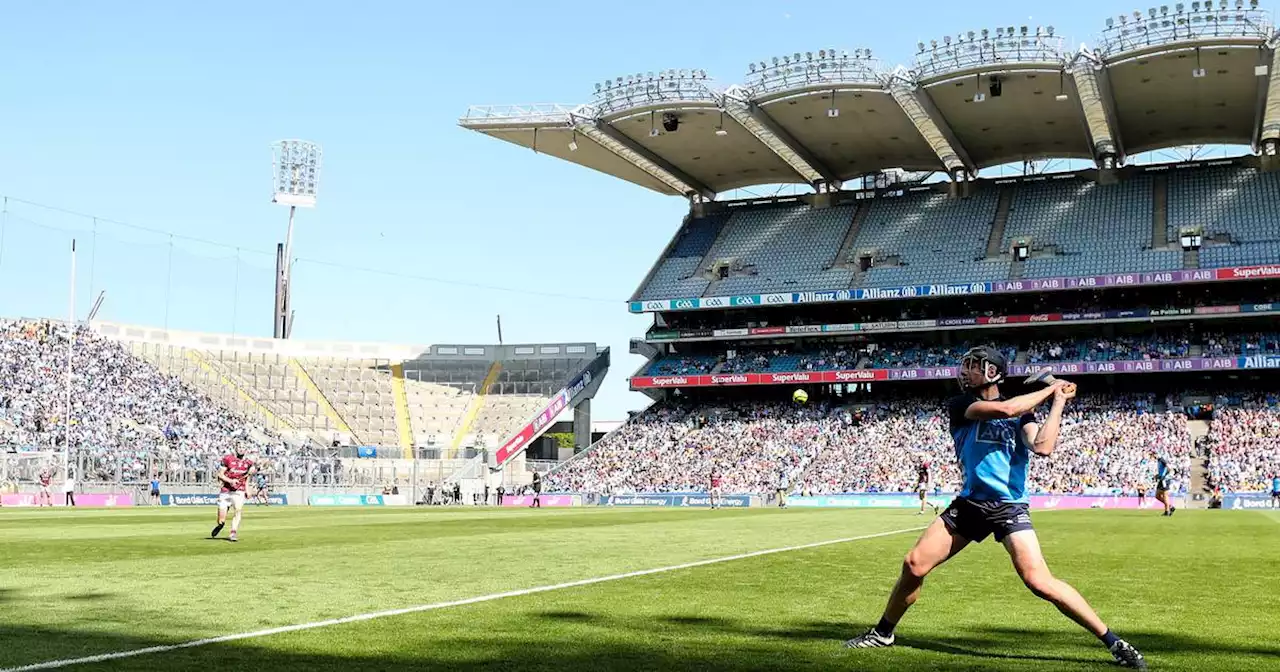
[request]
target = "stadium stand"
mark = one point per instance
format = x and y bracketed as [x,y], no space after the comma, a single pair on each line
[126,412]
[1108,349]
[907,353]
[1234,209]
[462,399]
[259,384]
[681,365]
[151,403]
[1074,226]
[438,401]
[519,391]
[355,395]
[1238,201]
[934,238]
[1078,227]
[1107,444]
[132,420]
[1243,446]
[781,248]
[678,273]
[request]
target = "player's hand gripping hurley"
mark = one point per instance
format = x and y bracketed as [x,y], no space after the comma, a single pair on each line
[1066,389]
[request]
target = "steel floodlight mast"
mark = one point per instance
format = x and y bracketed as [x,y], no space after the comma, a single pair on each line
[296,178]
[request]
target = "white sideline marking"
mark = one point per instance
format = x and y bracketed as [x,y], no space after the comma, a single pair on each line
[55,664]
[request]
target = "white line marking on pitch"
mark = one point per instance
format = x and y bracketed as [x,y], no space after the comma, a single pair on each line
[55,664]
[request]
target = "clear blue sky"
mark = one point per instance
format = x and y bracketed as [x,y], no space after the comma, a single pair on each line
[161,114]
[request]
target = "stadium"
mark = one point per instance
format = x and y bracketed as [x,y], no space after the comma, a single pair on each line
[854,229]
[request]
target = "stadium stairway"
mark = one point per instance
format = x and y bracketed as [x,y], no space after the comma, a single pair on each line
[844,258]
[321,400]
[1191,259]
[1017,268]
[1160,213]
[1198,488]
[473,409]
[997,226]
[404,429]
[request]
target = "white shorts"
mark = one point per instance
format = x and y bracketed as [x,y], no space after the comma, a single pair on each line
[232,500]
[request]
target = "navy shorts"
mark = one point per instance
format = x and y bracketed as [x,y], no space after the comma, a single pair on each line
[975,520]
[1275,493]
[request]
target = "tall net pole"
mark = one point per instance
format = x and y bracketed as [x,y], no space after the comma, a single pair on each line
[71,344]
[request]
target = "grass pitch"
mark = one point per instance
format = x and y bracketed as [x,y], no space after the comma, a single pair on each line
[1194,592]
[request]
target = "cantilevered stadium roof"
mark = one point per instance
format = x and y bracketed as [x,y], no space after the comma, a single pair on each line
[1199,72]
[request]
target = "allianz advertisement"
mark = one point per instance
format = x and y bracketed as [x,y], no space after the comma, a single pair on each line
[212,500]
[675,499]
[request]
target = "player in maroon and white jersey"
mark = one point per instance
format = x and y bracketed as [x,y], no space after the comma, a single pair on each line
[234,474]
[923,485]
[715,488]
[46,497]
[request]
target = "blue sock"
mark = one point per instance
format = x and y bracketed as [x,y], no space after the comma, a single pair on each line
[1109,638]
[885,628]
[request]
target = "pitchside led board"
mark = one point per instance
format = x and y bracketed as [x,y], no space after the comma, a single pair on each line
[950,372]
[205,499]
[962,289]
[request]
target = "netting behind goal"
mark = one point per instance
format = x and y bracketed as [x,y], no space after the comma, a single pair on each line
[18,469]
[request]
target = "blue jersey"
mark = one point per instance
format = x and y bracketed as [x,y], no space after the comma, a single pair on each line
[993,454]
[1162,470]
[155,484]
[1275,484]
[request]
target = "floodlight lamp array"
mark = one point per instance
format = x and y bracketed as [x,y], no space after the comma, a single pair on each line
[826,66]
[643,89]
[1185,22]
[296,173]
[1003,45]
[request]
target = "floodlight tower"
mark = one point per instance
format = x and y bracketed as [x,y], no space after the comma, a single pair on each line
[296,174]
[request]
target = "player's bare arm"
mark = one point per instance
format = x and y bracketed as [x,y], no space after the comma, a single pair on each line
[222,476]
[1010,408]
[1044,438]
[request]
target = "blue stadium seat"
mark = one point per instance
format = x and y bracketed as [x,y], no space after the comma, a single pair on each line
[939,239]
[1097,228]
[790,248]
[1235,200]
[676,276]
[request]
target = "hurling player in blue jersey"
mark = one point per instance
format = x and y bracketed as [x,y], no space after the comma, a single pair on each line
[994,438]
[1162,485]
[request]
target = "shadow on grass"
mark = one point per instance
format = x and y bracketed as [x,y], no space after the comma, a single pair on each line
[95,596]
[563,641]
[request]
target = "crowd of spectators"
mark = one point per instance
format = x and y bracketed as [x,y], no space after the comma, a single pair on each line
[1249,343]
[1242,448]
[841,357]
[675,449]
[1116,348]
[1111,443]
[910,354]
[129,421]
[901,354]
[1108,445]
[1028,303]
[683,366]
